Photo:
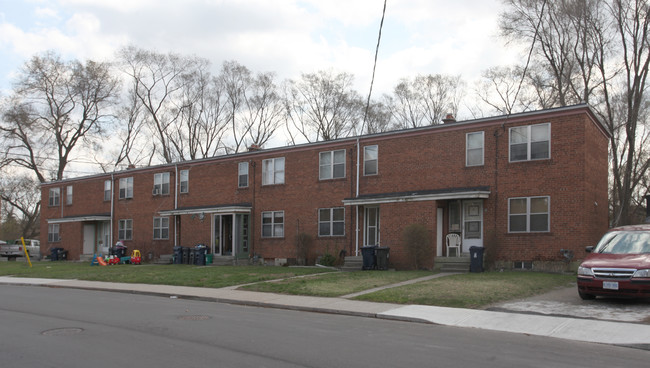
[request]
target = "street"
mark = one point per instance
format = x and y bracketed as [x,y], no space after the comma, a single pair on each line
[57,327]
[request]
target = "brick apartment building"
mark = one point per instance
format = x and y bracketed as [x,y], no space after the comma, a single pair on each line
[524,186]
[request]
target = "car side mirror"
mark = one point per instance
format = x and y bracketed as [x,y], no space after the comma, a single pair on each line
[589,249]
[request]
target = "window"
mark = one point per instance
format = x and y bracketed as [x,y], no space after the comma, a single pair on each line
[370,160]
[332,165]
[55,196]
[68,195]
[371,226]
[161,227]
[125,230]
[243,175]
[454,216]
[273,224]
[528,214]
[474,149]
[53,233]
[107,190]
[531,142]
[331,221]
[273,171]
[185,181]
[161,183]
[126,188]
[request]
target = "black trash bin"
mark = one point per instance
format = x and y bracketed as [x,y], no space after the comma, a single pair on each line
[382,258]
[178,254]
[476,254]
[199,258]
[192,256]
[368,254]
[62,254]
[54,253]
[186,255]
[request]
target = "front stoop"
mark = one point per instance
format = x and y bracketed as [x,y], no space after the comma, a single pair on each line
[453,264]
[352,263]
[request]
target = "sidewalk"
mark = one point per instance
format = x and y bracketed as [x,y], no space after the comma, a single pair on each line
[586,330]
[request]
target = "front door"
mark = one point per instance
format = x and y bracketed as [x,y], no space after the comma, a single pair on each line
[222,235]
[472,224]
[89,239]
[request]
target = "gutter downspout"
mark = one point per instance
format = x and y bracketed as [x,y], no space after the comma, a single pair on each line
[176,204]
[110,241]
[356,232]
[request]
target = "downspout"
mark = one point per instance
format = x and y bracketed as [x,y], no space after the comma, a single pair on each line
[110,241]
[356,232]
[176,204]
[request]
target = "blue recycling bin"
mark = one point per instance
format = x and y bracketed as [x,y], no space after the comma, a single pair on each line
[476,263]
[369,258]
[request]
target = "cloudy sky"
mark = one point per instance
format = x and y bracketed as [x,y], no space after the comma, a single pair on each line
[288,37]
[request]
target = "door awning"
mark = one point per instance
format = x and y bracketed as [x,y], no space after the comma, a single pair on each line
[82,218]
[244,208]
[421,195]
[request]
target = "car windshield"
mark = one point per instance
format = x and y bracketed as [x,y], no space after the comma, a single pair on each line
[624,242]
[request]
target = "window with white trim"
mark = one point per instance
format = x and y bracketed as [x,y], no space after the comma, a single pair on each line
[243,175]
[184,181]
[68,195]
[530,142]
[160,228]
[331,221]
[125,230]
[332,165]
[371,226]
[273,171]
[474,143]
[161,183]
[107,190]
[529,214]
[53,233]
[126,188]
[370,160]
[273,224]
[55,196]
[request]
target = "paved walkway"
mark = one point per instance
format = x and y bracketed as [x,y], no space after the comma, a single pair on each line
[586,330]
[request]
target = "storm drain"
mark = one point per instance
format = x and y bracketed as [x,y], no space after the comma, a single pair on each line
[194,318]
[67,331]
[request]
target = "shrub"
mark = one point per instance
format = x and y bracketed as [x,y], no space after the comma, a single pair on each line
[417,241]
[328,260]
[303,246]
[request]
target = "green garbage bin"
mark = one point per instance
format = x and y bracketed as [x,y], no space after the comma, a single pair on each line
[208,258]
[382,257]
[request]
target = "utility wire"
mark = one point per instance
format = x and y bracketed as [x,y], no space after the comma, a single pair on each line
[374,67]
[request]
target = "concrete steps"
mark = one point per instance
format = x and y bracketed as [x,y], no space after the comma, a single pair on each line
[453,264]
[352,263]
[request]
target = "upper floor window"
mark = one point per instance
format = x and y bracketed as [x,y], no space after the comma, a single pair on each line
[331,221]
[243,175]
[53,234]
[184,181]
[528,214]
[273,224]
[125,230]
[161,183]
[370,156]
[68,195]
[530,142]
[126,188]
[332,165]
[273,171]
[161,228]
[474,149]
[107,190]
[55,196]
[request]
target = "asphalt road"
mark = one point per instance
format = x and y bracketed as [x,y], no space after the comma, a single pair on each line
[48,327]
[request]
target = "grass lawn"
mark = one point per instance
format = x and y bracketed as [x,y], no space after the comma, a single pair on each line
[181,275]
[473,290]
[336,284]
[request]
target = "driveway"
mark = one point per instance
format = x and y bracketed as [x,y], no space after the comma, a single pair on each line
[566,302]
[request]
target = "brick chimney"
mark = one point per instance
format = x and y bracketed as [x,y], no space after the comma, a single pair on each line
[254,147]
[449,119]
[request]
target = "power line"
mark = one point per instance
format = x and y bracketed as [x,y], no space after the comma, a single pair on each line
[374,67]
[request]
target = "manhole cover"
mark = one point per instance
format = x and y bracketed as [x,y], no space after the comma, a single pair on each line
[62,331]
[194,318]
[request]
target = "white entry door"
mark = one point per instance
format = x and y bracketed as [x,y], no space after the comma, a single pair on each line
[472,224]
[89,238]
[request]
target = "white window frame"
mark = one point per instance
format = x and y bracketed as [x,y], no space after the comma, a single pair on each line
[53,233]
[184,181]
[276,228]
[273,171]
[161,228]
[366,160]
[161,183]
[326,171]
[126,187]
[242,174]
[530,142]
[528,214]
[107,190]
[469,149]
[125,227]
[54,197]
[367,227]
[68,195]
[330,221]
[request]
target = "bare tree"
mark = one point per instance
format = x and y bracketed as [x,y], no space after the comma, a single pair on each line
[503,90]
[264,111]
[323,106]
[56,107]
[21,200]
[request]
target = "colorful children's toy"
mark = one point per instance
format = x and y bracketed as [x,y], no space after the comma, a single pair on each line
[136,258]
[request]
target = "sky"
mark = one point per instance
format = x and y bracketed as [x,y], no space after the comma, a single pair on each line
[288,37]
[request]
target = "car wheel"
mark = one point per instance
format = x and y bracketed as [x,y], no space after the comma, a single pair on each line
[584,296]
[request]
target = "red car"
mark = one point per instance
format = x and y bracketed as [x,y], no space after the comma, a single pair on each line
[619,266]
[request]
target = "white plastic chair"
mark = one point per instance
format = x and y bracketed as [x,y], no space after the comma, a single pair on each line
[453,241]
